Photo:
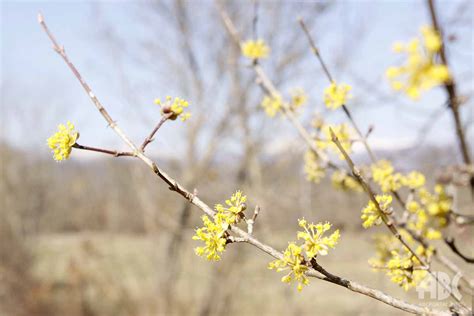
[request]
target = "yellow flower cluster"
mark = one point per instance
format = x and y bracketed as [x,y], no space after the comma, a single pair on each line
[255,49]
[272,105]
[336,95]
[315,244]
[214,232]
[235,208]
[62,141]
[400,265]
[175,106]
[371,214]
[429,214]
[294,261]
[383,174]
[342,181]
[297,257]
[420,72]
[343,134]
[312,167]
[298,98]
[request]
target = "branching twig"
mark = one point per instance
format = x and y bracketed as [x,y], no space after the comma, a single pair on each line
[386,218]
[175,186]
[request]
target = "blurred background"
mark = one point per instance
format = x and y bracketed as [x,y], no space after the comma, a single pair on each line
[103,236]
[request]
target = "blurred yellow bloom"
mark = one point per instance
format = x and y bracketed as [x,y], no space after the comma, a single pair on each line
[255,49]
[312,167]
[272,105]
[342,181]
[336,95]
[383,174]
[371,214]
[420,72]
[298,98]
[62,141]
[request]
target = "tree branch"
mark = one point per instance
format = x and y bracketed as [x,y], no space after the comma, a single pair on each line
[175,186]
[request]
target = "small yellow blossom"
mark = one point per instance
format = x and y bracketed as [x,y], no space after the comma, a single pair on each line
[420,72]
[312,167]
[298,98]
[175,106]
[255,49]
[414,180]
[62,141]
[371,214]
[294,261]
[234,208]
[342,181]
[272,105]
[213,236]
[383,174]
[336,95]
[315,244]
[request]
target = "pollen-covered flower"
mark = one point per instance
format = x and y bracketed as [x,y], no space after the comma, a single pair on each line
[62,141]
[294,261]
[255,49]
[420,72]
[298,98]
[342,181]
[343,134]
[175,106]
[315,244]
[336,95]
[213,235]
[371,214]
[233,210]
[312,167]
[272,105]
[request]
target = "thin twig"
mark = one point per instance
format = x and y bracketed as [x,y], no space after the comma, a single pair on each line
[114,153]
[149,138]
[175,186]
[452,245]
[315,50]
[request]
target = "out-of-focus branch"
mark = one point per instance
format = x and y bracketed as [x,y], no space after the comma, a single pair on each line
[175,186]
[450,87]
[452,245]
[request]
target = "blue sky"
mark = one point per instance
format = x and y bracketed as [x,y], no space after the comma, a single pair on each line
[38,91]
